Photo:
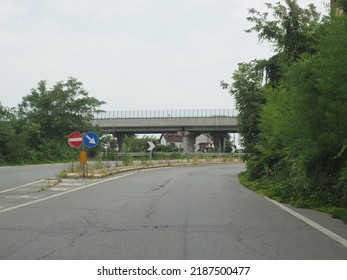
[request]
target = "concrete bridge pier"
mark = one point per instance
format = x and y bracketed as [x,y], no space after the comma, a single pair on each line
[188,140]
[219,141]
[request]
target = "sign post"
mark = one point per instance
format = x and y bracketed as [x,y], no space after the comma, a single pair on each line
[75,140]
[83,157]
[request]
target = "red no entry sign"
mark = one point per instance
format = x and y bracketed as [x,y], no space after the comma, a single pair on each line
[75,139]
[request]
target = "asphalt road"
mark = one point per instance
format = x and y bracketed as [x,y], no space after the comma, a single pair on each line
[14,176]
[197,212]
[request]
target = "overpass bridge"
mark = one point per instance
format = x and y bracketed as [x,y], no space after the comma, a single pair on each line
[189,123]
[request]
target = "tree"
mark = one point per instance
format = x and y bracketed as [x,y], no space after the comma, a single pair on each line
[301,145]
[135,144]
[247,90]
[37,131]
[6,133]
[17,138]
[292,31]
[60,110]
[292,34]
[319,89]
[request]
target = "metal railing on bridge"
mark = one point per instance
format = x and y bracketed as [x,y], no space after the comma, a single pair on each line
[166,114]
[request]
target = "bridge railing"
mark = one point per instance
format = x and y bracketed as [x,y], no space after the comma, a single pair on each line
[166,114]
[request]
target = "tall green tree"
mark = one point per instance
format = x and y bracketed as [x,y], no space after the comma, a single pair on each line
[292,32]
[246,87]
[301,144]
[61,109]
[302,141]
[37,131]
[319,89]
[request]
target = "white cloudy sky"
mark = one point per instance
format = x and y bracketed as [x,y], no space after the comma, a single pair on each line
[133,54]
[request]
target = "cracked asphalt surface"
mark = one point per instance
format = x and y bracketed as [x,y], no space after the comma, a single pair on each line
[195,212]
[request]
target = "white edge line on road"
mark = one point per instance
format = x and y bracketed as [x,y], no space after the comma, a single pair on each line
[311,223]
[15,188]
[60,194]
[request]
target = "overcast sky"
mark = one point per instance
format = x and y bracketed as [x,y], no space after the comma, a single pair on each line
[133,54]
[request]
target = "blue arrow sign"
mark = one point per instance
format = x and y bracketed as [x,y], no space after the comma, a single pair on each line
[90,139]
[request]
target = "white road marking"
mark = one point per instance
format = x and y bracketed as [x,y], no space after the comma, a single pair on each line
[311,223]
[5,205]
[62,193]
[70,184]
[21,196]
[59,189]
[15,188]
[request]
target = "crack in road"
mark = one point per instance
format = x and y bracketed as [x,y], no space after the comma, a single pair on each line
[159,187]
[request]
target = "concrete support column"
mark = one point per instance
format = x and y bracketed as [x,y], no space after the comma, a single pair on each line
[188,140]
[219,141]
[120,139]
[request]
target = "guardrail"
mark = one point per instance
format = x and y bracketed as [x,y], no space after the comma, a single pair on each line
[186,155]
[166,114]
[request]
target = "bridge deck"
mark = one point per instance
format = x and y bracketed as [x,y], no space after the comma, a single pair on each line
[216,122]
[227,124]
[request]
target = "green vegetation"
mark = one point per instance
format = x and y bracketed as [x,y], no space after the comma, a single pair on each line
[37,131]
[293,109]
